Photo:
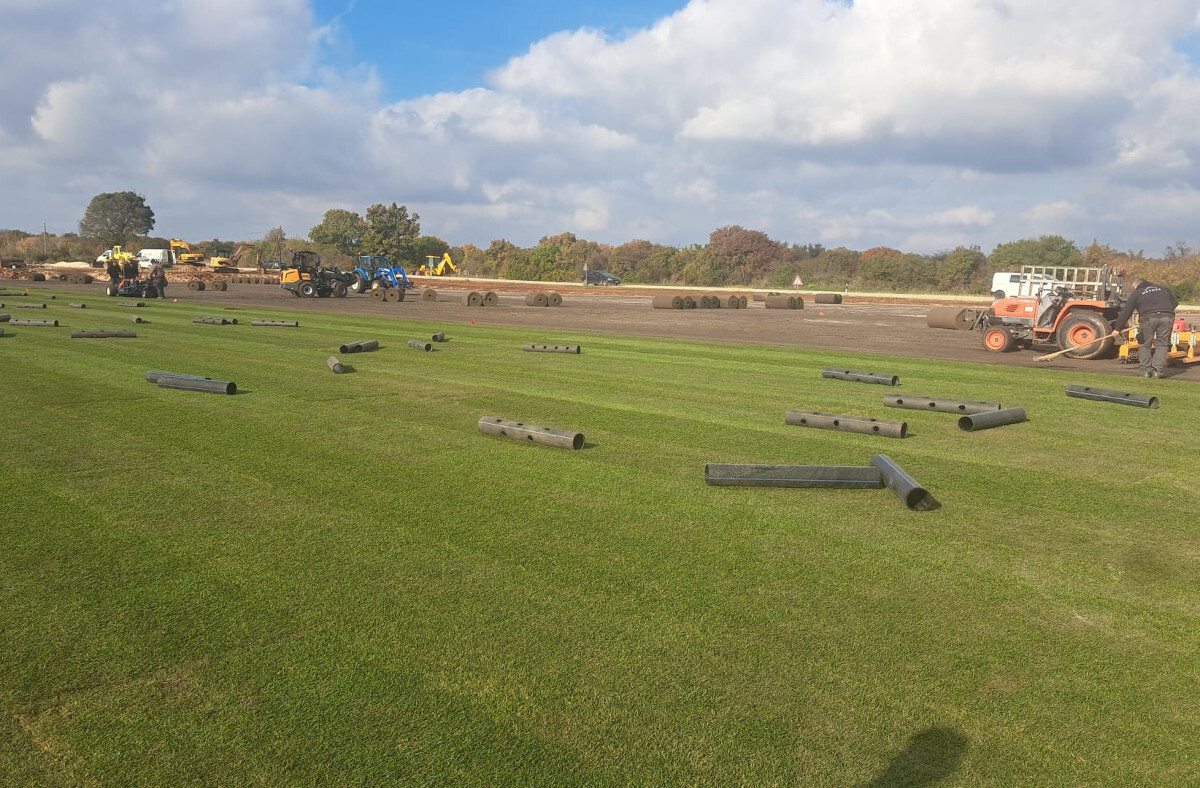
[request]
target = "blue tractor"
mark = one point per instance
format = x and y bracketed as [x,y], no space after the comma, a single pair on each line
[377,275]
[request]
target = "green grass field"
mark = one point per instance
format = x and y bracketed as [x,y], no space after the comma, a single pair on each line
[336,580]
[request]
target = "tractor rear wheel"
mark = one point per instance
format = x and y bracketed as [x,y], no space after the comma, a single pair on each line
[360,284]
[998,339]
[339,290]
[1084,328]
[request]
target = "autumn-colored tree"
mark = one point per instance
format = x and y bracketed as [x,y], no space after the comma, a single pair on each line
[745,255]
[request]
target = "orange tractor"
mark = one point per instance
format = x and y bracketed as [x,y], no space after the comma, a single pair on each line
[1070,308]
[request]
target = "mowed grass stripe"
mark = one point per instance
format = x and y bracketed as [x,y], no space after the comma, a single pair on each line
[336,579]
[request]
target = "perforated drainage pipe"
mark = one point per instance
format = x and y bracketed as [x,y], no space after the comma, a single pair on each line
[861,377]
[97,333]
[834,421]
[939,405]
[1108,395]
[904,486]
[531,347]
[992,418]
[529,433]
[806,476]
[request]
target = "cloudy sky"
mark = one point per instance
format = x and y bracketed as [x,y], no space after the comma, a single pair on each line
[917,124]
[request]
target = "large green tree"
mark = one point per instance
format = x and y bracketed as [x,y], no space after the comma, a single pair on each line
[340,231]
[1048,250]
[393,232]
[116,218]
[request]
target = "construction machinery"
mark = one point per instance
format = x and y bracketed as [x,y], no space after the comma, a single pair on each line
[183,254]
[1183,350]
[1069,308]
[435,266]
[307,278]
[375,272]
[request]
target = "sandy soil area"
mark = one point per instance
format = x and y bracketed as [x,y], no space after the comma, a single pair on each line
[869,325]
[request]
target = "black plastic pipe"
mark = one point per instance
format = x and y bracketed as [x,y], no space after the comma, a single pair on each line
[360,346]
[529,433]
[533,347]
[861,377]
[198,384]
[905,487]
[807,476]
[991,418]
[1107,395]
[834,421]
[153,376]
[939,405]
[97,333]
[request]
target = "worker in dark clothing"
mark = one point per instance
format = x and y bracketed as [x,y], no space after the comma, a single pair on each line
[158,281]
[130,269]
[114,272]
[1155,306]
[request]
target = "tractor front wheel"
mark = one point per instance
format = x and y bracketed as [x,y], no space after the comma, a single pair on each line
[308,289]
[339,290]
[1088,332]
[998,339]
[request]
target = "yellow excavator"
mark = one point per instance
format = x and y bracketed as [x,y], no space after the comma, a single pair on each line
[183,254]
[435,266]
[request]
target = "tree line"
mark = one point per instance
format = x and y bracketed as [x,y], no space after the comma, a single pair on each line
[733,256]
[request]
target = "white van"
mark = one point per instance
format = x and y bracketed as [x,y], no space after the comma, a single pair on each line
[1008,284]
[148,257]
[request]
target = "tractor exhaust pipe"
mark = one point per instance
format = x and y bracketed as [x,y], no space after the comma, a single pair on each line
[519,431]
[939,405]
[992,418]
[833,421]
[806,476]
[861,377]
[905,487]
[1107,395]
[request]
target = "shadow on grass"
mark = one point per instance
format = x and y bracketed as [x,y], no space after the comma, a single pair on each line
[931,756]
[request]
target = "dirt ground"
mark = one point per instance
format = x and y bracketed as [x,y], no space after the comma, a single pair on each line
[894,328]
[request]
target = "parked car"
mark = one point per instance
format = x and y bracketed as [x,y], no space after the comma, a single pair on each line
[602,278]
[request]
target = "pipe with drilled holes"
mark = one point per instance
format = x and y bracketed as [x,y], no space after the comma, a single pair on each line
[529,433]
[533,347]
[861,377]
[100,333]
[835,421]
[938,405]
[19,322]
[1109,395]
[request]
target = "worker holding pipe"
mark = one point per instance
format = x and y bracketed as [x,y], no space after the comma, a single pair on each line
[1155,306]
